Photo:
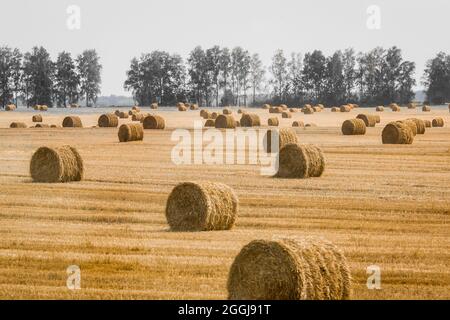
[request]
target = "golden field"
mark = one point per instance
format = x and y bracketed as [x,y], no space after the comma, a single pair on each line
[387,205]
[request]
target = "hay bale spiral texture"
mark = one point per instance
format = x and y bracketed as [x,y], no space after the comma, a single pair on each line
[369,120]
[131,132]
[397,133]
[108,120]
[273,122]
[300,161]
[284,136]
[225,121]
[17,125]
[154,122]
[72,122]
[438,122]
[250,120]
[353,127]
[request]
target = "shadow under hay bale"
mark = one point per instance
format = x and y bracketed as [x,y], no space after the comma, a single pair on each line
[353,127]
[273,122]
[284,136]
[438,122]
[289,269]
[298,123]
[109,120]
[154,122]
[397,133]
[224,121]
[18,125]
[369,120]
[202,206]
[131,132]
[250,120]
[72,122]
[300,161]
[59,164]
[36,118]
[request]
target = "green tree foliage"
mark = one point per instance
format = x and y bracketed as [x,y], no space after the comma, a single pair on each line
[89,68]
[67,80]
[437,78]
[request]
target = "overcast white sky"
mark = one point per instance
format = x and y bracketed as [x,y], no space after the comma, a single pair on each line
[124,29]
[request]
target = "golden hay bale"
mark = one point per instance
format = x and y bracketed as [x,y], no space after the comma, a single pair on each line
[317,109]
[353,127]
[411,124]
[42,125]
[238,124]
[438,122]
[154,122]
[214,115]
[307,110]
[379,109]
[59,164]
[206,115]
[411,106]
[74,105]
[284,136]
[138,117]
[345,108]
[284,107]
[335,109]
[289,269]
[201,206]
[226,111]
[300,161]
[286,115]
[203,112]
[55,126]
[131,132]
[210,123]
[266,106]
[427,123]
[193,106]
[17,125]
[182,108]
[426,108]
[293,110]
[250,120]
[154,105]
[10,107]
[395,108]
[298,123]
[321,106]
[180,104]
[37,118]
[397,133]
[275,110]
[109,120]
[240,111]
[369,120]
[131,112]
[117,113]
[225,121]
[273,122]
[43,108]
[377,118]
[36,107]
[310,125]
[123,115]
[136,108]
[72,122]
[420,125]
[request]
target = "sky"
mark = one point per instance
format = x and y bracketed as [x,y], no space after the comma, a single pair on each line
[121,30]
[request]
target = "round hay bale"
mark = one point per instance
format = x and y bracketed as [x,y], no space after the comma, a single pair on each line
[36,118]
[293,110]
[266,106]
[74,105]
[284,136]
[117,113]
[317,109]
[397,133]
[193,106]
[55,126]
[353,127]
[138,117]
[286,115]
[123,115]
[131,132]
[206,115]
[239,111]
[377,118]
[420,125]
[42,125]
[225,121]
[335,109]
[307,110]
[203,112]
[274,122]
[182,108]
[321,106]
[411,105]
[59,164]
[238,124]
[379,109]
[210,123]
[395,108]
[180,104]
[10,107]
[310,125]
[108,120]
[438,122]
[226,111]
[345,108]
[300,161]
[298,123]
[72,122]
[136,108]
[43,108]
[368,119]
[214,115]
[275,110]
[283,107]
[427,123]
[202,206]
[250,120]
[154,105]
[36,107]
[411,124]
[426,108]
[289,269]
[17,125]
[154,122]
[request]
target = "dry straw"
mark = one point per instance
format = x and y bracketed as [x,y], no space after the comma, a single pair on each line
[284,136]
[377,118]
[300,161]
[131,132]
[10,107]
[182,108]
[117,113]
[438,122]
[411,124]
[225,121]
[59,164]
[154,122]
[17,125]
[123,115]
[397,133]
[226,111]
[193,106]
[353,127]
[345,108]
[283,107]
[37,118]
[154,105]
[238,124]
[289,269]
[201,206]
[335,109]
[394,107]
[369,120]
[210,123]
[411,106]
[72,122]
[214,115]
[250,120]
[274,122]
[286,115]
[138,117]
[307,110]
[109,120]
[317,109]
[427,123]
[276,110]
[420,125]
[379,108]
[266,106]
[293,110]
[426,108]
[298,123]
[136,108]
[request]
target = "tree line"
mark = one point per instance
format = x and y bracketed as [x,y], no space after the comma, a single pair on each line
[34,78]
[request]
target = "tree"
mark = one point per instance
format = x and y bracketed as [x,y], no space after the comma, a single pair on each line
[225,70]
[295,67]
[349,63]
[199,76]
[213,56]
[67,80]
[89,68]
[335,91]
[314,74]
[10,75]
[256,74]
[437,79]
[279,72]
[406,82]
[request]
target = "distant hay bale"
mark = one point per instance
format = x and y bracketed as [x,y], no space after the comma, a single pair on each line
[226,111]
[131,132]
[36,118]
[131,112]
[154,105]
[438,122]
[193,106]
[239,111]
[353,127]
[266,106]
[108,120]
[286,115]
[250,120]
[123,115]
[182,108]
[74,105]
[411,124]
[397,133]
[427,123]
[289,269]
[420,125]
[317,109]
[293,110]
[225,121]
[395,108]
[214,115]
[59,164]
[136,108]
[335,109]
[377,118]
[117,113]
[72,122]
[138,117]
[17,125]
[42,125]
[308,110]
[284,136]
[298,123]
[411,105]
[43,108]
[274,122]
[275,110]
[154,122]
[55,126]
[368,119]
[205,114]
[180,104]
[36,107]
[379,109]
[345,108]
[426,108]
[300,161]
[202,206]
[10,107]
[284,107]
[321,106]
[210,123]
[310,125]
